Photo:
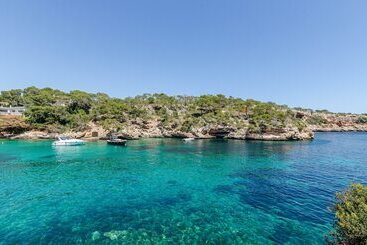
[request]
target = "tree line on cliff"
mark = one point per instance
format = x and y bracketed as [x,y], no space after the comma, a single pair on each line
[54,110]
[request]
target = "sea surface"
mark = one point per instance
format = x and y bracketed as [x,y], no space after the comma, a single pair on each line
[167,191]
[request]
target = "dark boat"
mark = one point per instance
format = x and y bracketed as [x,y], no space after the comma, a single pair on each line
[113,140]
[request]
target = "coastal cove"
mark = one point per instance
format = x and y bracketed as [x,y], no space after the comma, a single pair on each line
[169,191]
[183,122]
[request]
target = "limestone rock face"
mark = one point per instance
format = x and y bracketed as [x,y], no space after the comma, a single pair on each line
[129,134]
[211,131]
[330,127]
[288,133]
[281,137]
[34,135]
[331,122]
[177,134]
[240,134]
[76,135]
[12,125]
[310,122]
[220,131]
[95,131]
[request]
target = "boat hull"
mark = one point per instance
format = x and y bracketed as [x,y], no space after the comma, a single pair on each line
[57,143]
[120,143]
[188,139]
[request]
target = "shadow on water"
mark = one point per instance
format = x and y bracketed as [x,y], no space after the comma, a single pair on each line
[233,147]
[7,158]
[273,192]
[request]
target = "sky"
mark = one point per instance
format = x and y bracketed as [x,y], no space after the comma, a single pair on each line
[308,53]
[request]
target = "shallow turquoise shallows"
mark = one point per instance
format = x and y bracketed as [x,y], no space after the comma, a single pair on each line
[166,190]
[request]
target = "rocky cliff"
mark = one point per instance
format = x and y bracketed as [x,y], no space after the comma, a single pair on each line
[17,128]
[12,125]
[93,116]
[335,122]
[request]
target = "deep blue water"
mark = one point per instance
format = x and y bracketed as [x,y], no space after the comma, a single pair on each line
[167,191]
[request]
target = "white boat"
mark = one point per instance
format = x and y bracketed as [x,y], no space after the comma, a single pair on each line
[63,140]
[188,139]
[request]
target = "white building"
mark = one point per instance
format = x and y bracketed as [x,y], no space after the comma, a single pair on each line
[14,111]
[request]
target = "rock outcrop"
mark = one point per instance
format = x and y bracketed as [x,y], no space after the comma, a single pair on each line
[33,135]
[17,128]
[94,131]
[332,122]
[134,131]
[220,131]
[12,125]
[291,135]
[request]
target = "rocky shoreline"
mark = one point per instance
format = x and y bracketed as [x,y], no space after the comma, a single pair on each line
[17,128]
[340,129]
[133,135]
[48,113]
[39,135]
[95,132]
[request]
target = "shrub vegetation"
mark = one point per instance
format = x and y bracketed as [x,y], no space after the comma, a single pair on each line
[54,109]
[351,216]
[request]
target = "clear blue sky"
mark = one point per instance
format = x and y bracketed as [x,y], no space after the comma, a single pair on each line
[310,53]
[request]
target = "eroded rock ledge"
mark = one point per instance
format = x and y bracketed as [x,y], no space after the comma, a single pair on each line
[17,128]
[98,133]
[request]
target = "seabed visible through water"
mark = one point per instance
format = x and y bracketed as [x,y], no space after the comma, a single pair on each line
[167,191]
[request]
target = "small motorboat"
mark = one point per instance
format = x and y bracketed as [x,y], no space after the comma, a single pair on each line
[67,141]
[114,140]
[188,139]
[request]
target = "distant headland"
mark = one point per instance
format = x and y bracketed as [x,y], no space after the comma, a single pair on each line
[34,113]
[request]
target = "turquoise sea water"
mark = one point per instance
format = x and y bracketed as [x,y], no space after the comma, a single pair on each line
[168,191]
